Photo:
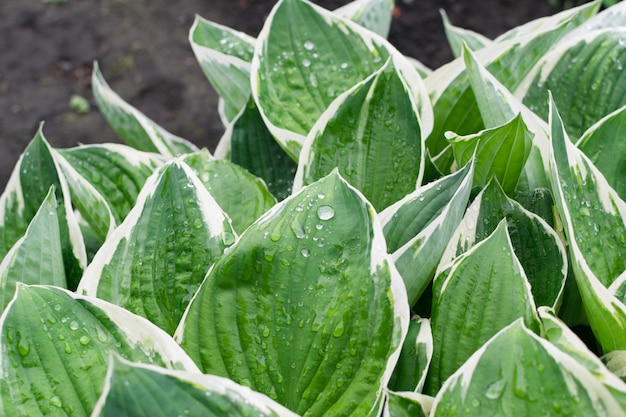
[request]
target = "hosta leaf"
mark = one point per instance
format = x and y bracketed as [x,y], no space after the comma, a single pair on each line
[458,36]
[537,246]
[55,347]
[586,77]
[593,220]
[454,103]
[242,196]
[415,357]
[37,257]
[555,331]
[418,227]
[499,152]
[614,16]
[117,172]
[373,135]
[374,15]
[35,172]
[406,404]
[616,363]
[129,385]
[306,307]
[484,290]
[305,57]
[224,56]
[133,126]
[253,147]
[518,373]
[605,146]
[154,261]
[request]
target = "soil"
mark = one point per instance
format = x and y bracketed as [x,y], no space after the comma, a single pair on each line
[47,49]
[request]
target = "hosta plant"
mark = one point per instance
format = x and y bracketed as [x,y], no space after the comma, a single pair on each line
[370,237]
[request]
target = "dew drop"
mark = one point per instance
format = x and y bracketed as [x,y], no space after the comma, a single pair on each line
[24,347]
[84,340]
[338,332]
[306,63]
[325,212]
[308,45]
[57,307]
[56,402]
[74,325]
[228,238]
[495,389]
[305,252]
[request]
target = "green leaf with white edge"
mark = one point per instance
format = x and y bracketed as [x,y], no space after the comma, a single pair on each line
[55,347]
[605,146]
[131,125]
[537,246]
[37,257]
[117,172]
[454,103]
[561,336]
[458,36]
[484,290]
[616,362]
[305,57]
[173,392]
[154,262]
[586,77]
[241,195]
[224,56]
[499,152]
[305,307]
[519,373]
[248,143]
[374,15]
[92,206]
[373,135]
[406,404]
[418,227]
[592,213]
[415,357]
[35,172]
[593,221]
[610,17]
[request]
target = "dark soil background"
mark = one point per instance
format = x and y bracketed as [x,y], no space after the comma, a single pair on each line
[47,51]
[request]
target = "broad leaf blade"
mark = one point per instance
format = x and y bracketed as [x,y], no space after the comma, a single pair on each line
[128,385]
[485,290]
[37,257]
[604,145]
[117,172]
[305,57]
[418,227]
[133,126]
[156,259]
[55,347]
[406,404]
[374,15]
[36,171]
[518,373]
[224,56]
[458,36]
[373,135]
[415,357]
[242,196]
[305,307]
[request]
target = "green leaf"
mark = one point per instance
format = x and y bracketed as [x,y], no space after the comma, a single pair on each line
[593,218]
[171,393]
[373,135]
[36,171]
[458,36]
[500,152]
[253,147]
[224,56]
[418,227]
[117,172]
[37,257]
[55,346]
[585,76]
[133,126]
[156,259]
[374,15]
[306,307]
[304,58]
[484,290]
[604,145]
[241,195]
[518,373]
[415,357]
[406,404]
